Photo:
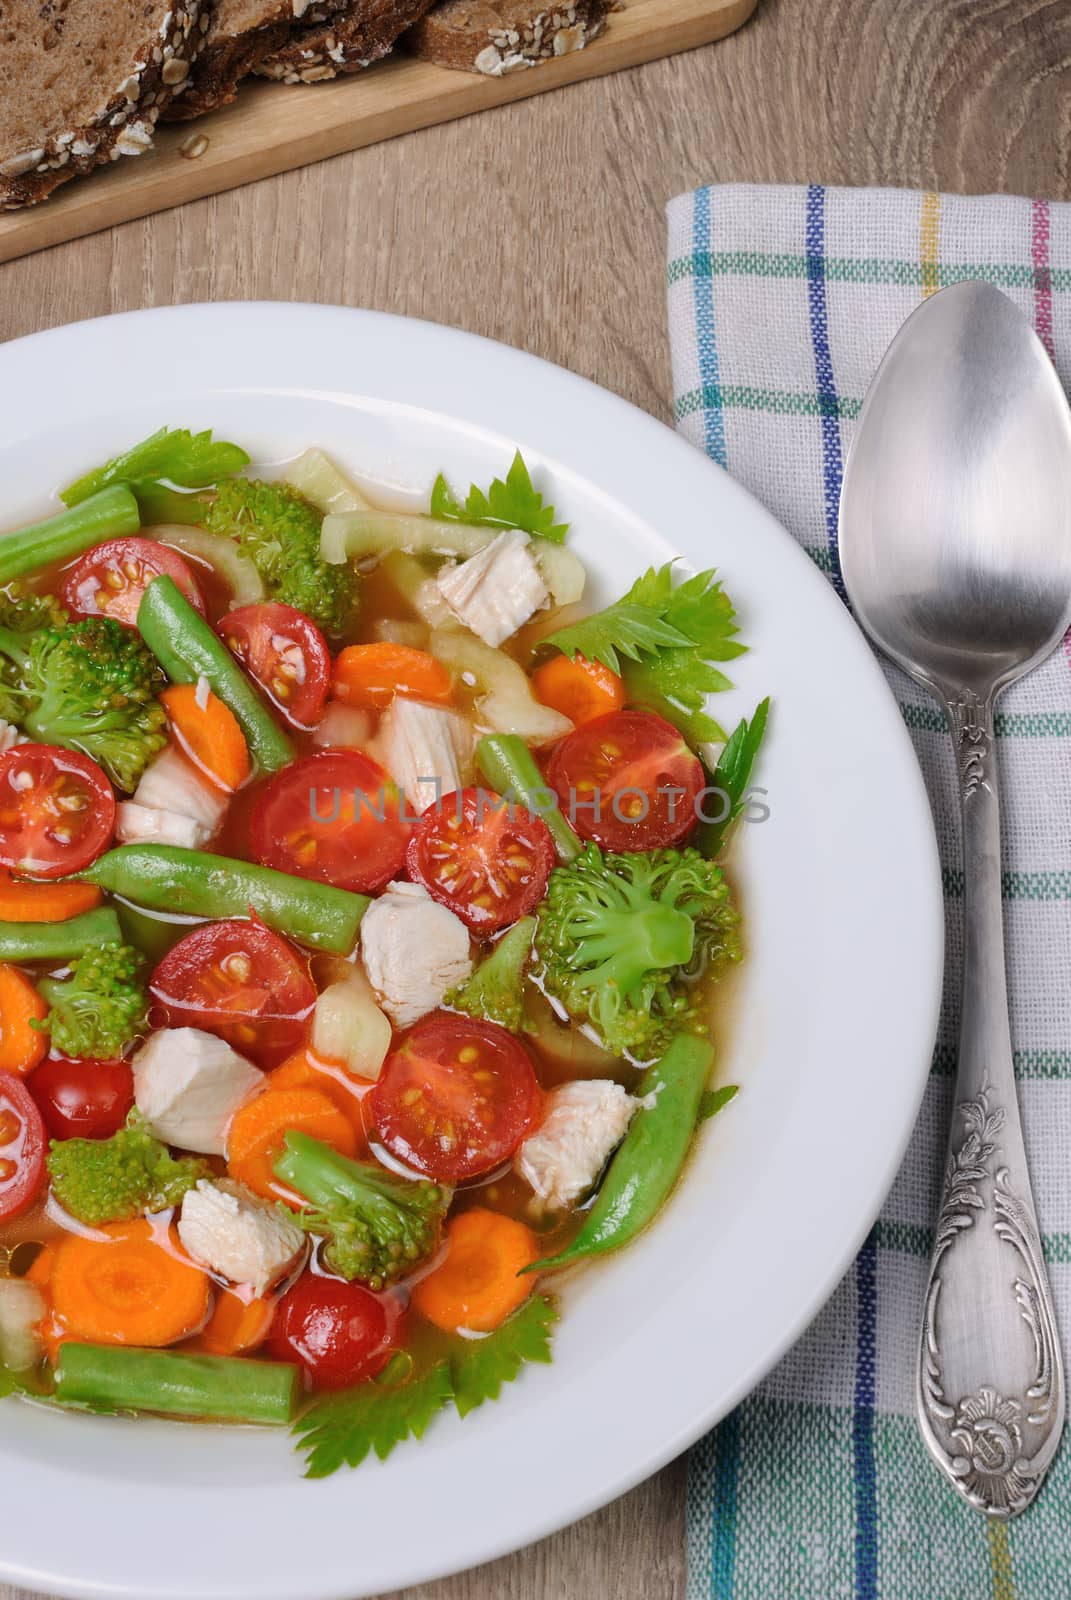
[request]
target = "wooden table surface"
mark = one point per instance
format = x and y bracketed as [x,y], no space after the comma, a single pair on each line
[541,224]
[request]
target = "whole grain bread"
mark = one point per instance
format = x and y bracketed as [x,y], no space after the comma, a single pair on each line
[363,32]
[500,36]
[242,33]
[85,83]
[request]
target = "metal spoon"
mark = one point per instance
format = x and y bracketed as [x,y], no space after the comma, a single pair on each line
[955,537]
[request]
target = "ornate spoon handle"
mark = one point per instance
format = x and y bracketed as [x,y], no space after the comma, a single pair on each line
[990,1375]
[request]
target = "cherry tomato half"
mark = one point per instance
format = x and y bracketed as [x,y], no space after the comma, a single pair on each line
[455,1099]
[22,1148]
[486,859]
[110,579]
[57,810]
[238,980]
[82,1099]
[335,816]
[628,781]
[286,654]
[340,1333]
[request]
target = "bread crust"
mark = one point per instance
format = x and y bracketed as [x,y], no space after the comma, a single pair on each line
[158,68]
[362,33]
[227,58]
[494,38]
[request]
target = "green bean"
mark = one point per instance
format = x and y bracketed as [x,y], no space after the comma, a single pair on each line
[59,941]
[164,877]
[187,649]
[107,515]
[650,1157]
[508,765]
[222,1387]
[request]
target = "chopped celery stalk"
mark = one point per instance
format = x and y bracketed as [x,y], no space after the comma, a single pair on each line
[315,476]
[508,765]
[108,515]
[418,588]
[357,535]
[561,571]
[59,941]
[191,460]
[159,504]
[221,554]
[225,1388]
[507,704]
[362,535]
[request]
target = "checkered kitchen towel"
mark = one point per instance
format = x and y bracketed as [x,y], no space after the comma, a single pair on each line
[781,304]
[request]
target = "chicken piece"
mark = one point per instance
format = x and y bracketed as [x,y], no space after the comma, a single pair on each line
[22,1305]
[173,784]
[188,1084]
[497,589]
[426,749]
[10,736]
[414,951]
[585,1122]
[234,1233]
[136,824]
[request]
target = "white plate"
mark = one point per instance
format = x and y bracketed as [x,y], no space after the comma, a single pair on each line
[836,1010]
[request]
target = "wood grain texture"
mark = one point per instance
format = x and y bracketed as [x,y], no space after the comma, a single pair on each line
[541,224]
[274,128]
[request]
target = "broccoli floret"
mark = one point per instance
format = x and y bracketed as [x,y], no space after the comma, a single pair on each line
[116,1179]
[280,533]
[23,610]
[102,1007]
[377,1226]
[495,990]
[623,939]
[93,687]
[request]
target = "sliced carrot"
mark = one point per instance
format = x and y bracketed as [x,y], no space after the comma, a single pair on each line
[236,1326]
[580,689]
[476,1284]
[44,902]
[370,675]
[303,1071]
[127,1285]
[40,1270]
[209,733]
[22,1046]
[255,1137]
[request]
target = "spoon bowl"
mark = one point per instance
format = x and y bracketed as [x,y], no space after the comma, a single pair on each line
[956,503]
[955,539]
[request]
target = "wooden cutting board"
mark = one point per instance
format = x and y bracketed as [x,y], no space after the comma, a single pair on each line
[274,127]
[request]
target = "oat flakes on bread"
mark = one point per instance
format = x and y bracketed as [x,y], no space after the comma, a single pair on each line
[363,32]
[241,34]
[92,78]
[500,36]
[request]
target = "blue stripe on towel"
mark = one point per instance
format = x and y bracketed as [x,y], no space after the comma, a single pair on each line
[866,1351]
[832,457]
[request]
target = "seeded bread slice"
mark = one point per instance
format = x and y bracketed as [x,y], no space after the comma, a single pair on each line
[500,36]
[85,83]
[241,35]
[362,33]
